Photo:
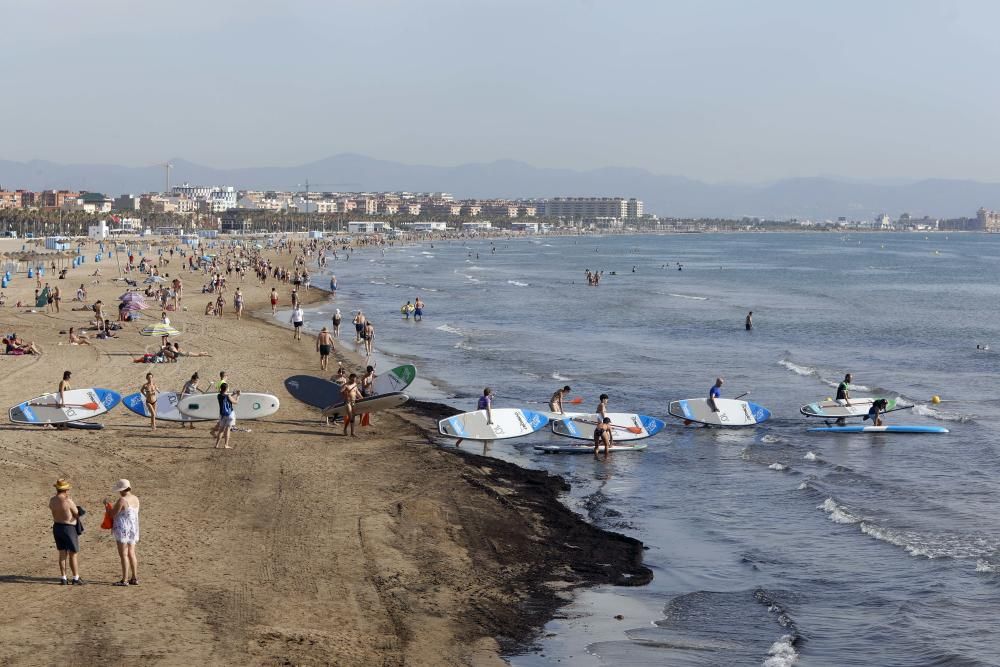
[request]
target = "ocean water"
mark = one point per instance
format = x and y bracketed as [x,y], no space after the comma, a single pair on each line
[770,545]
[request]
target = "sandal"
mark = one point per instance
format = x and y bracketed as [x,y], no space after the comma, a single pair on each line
[120,583]
[133,582]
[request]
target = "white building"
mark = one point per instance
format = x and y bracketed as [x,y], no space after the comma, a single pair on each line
[222,199]
[530,227]
[476,227]
[365,227]
[424,226]
[98,231]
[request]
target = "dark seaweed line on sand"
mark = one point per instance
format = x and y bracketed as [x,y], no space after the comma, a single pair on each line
[574,553]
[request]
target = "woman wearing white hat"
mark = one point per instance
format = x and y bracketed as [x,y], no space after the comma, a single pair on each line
[125,528]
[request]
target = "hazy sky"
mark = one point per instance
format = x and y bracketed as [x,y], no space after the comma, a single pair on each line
[744,90]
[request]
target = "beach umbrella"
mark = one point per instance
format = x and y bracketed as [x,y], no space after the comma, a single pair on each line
[131,296]
[159,329]
[152,280]
[136,305]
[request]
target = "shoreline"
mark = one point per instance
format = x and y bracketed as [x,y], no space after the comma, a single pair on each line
[296,545]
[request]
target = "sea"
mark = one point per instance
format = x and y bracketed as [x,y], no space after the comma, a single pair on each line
[770,545]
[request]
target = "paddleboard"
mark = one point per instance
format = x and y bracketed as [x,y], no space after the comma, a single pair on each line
[893,428]
[314,391]
[166,406]
[858,408]
[731,412]
[80,404]
[582,426]
[398,379]
[370,404]
[507,423]
[250,406]
[583,449]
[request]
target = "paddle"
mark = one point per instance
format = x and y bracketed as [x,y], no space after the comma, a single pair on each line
[85,406]
[576,401]
[630,429]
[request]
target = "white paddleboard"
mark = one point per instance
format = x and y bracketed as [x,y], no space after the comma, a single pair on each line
[731,412]
[837,410]
[582,426]
[583,449]
[166,406]
[507,423]
[370,404]
[398,379]
[250,406]
[80,404]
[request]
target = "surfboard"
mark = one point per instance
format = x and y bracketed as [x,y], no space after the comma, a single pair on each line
[314,391]
[166,406]
[250,406]
[893,428]
[80,404]
[398,379]
[731,412]
[370,404]
[582,426]
[585,449]
[858,408]
[507,423]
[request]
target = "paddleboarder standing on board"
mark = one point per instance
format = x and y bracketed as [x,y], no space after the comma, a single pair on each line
[714,393]
[556,402]
[844,395]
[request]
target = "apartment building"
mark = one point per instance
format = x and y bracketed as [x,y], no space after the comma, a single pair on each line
[588,208]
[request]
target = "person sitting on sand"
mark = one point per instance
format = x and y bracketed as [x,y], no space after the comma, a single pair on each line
[210,308]
[77,339]
[81,293]
[17,346]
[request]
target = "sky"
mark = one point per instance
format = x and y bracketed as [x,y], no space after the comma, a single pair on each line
[717,90]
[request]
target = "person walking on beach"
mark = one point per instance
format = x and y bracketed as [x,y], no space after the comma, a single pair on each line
[369,337]
[297,317]
[336,323]
[295,297]
[359,326]
[65,515]
[350,393]
[149,392]
[190,387]
[56,297]
[714,393]
[556,402]
[603,436]
[227,415]
[749,321]
[418,310]
[274,301]
[238,303]
[125,528]
[324,345]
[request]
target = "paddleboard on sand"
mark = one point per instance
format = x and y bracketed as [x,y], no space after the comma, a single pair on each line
[83,426]
[370,404]
[507,423]
[894,428]
[731,412]
[166,406]
[250,406]
[317,392]
[80,404]
[585,449]
[398,379]
[581,427]
[858,408]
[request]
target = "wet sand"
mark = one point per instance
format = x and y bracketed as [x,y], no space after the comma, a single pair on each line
[298,546]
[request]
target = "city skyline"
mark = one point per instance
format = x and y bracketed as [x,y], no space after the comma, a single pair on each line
[720,92]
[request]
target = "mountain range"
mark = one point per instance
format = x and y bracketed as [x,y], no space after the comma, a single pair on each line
[816,198]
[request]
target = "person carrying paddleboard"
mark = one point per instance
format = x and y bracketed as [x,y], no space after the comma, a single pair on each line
[556,402]
[878,408]
[844,395]
[190,387]
[227,415]
[714,393]
[485,403]
[603,436]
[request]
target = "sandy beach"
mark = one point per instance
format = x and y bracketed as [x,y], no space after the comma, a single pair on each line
[298,546]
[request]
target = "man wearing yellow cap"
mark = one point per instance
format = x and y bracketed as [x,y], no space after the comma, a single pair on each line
[65,515]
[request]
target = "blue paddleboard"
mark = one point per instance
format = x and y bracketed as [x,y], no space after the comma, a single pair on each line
[895,428]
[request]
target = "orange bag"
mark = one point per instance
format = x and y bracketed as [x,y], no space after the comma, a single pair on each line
[106,524]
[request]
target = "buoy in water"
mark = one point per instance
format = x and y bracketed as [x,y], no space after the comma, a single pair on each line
[935,399]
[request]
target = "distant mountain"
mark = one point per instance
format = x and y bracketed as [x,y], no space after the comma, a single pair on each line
[815,198]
